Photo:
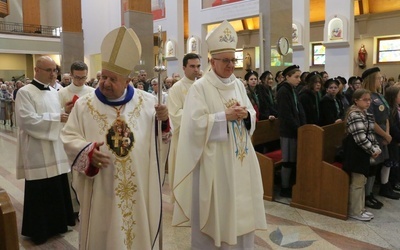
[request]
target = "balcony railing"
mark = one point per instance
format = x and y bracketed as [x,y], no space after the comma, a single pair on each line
[30,29]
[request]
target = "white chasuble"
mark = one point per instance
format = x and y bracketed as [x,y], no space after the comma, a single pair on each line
[121,205]
[176,98]
[231,194]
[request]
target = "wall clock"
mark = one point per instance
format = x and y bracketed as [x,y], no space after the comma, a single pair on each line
[283,46]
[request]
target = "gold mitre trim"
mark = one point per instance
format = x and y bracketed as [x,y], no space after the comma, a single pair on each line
[114,68]
[217,51]
[121,51]
[117,45]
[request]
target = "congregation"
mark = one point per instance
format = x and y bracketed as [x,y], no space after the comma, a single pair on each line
[368,104]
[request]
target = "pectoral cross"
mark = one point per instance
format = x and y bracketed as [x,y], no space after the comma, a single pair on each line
[116,138]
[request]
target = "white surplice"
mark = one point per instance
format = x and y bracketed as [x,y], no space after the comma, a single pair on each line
[176,98]
[66,94]
[40,152]
[230,187]
[121,205]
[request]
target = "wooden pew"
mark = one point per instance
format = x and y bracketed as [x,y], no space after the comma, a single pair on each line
[320,186]
[265,132]
[8,223]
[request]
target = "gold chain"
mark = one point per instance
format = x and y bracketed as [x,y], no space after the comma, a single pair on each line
[118,110]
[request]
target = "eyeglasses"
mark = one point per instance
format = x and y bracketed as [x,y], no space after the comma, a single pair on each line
[49,70]
[226,60]
[80,78]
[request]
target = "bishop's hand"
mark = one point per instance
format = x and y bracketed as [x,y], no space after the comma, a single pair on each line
[161,112]
[100,159]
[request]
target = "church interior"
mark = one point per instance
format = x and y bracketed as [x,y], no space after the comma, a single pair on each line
[67,34]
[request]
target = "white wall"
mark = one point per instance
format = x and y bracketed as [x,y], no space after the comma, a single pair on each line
[173,25]
[228,12]
[97,20]
[50,13]
[15,15]
[366,28]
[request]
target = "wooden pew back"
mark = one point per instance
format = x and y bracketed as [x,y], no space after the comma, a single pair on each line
[333,137]
[320,187]
[265,132]
[8,223]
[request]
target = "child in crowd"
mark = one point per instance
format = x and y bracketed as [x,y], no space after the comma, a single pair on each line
[251,78]
[372,80]
[330,107]
[392,96]
[291,116]
[359,146]
[309,97]
[343,102]
[267,106]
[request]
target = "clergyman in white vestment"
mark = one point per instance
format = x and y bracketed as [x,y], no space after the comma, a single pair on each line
[217,187]
[110,140]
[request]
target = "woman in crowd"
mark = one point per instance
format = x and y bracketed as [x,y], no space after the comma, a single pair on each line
[359,146]
[291,116]
[139,85]
[279,78]
[251,78]
[325,76]
[309,97]
[392,96]
[354,84]
[344,103]
[303,82]
[267,106]
[6,105]
[372,80]
[330,107]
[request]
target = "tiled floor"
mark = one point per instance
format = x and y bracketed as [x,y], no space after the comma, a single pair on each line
[288,228]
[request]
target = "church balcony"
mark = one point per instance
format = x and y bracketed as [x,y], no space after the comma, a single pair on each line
[30,29]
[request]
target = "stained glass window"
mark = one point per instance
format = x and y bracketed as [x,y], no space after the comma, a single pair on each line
[388,49]
[318,54]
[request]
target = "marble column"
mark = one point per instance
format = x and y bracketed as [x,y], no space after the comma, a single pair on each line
[31,15]
[72,34]
[275,22]
[139,17]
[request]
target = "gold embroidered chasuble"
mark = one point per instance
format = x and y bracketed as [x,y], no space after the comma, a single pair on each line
[121,205]
[231,194]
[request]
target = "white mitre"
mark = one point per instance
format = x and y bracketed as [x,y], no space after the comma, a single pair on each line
[121,51]
[222,39]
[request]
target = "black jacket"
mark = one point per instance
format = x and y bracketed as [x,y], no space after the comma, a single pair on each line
[266,101]
[310,102]
[328,111]
[291,114]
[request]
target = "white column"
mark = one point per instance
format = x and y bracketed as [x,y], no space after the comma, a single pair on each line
[301,49]
[339,53]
